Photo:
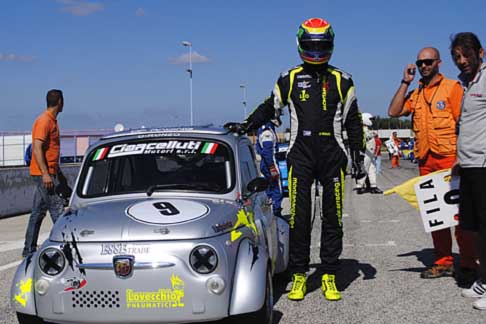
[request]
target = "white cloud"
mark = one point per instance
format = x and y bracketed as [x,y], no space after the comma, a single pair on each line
[184,59]
[80,7]
[140,12]
[15,58]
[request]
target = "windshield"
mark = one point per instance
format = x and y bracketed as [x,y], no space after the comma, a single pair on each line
[150,165]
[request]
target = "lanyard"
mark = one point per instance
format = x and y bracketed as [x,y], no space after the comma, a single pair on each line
[429,103]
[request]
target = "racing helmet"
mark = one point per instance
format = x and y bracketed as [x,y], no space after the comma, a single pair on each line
[367,119]
[315,41]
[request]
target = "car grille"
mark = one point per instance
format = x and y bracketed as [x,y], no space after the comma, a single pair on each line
[96,299]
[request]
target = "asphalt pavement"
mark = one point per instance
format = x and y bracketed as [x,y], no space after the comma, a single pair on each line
[385,249]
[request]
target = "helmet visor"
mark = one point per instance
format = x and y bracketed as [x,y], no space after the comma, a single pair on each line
[316,45]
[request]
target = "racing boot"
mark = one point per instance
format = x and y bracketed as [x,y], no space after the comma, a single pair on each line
[299,287]
[329,287]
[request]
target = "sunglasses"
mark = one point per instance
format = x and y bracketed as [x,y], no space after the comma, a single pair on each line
[427,62]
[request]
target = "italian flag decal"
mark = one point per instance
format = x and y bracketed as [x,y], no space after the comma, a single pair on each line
[209,148]
[100,154]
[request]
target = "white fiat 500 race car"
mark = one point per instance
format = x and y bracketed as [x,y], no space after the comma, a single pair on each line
[164,226]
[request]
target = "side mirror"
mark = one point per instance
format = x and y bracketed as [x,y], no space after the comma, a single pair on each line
[257,185]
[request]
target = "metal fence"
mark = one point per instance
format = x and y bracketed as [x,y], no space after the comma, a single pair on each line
[73,145]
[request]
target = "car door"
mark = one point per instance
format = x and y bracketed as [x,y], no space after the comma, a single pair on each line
[258,202]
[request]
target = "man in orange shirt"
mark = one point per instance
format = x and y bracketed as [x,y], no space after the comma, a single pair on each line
[435,106]
[395,159]
[44,169]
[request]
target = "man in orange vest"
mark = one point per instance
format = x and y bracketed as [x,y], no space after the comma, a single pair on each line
[435,106]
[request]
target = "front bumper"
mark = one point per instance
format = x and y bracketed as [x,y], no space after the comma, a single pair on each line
[170,291]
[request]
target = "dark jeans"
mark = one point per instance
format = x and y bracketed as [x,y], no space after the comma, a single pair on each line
[44,200]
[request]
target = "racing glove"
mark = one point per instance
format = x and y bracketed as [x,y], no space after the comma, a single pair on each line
[358,170]
[274,174]
[238,128]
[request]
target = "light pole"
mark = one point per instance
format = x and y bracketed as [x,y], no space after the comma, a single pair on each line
[242,86]
[189,44]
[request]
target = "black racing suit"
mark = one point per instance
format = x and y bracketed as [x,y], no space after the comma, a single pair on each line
[322,104]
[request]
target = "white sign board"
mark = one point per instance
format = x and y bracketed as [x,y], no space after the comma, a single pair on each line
[391,147]
[438,200]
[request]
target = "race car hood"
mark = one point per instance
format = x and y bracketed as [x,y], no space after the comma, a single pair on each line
[146,220]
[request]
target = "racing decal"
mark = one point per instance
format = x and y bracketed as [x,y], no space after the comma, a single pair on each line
[67,248]
[161,298]
[165,212]
[25,288]
[86,232]
[74,284]
[100,154]
[163,147]
[166,208]
[159,135]
[293,197]
[245,218]
[209,148]
[304,76]
[124,248]
[337,196]
[222,227]
[303,96]
[162,230]
[303,84]
[325,87]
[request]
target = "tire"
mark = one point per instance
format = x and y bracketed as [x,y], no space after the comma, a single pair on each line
[29,319]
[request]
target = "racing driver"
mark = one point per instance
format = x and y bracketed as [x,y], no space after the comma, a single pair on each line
[322,105]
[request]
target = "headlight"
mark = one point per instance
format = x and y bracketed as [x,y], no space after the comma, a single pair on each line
[51,261]
[203,259]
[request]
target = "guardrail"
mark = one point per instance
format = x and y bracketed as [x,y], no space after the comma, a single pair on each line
[17,188]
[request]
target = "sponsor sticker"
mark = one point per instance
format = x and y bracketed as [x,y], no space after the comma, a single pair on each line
[123,248]
[161,298]
[163,147]
[75,284]
[303,84]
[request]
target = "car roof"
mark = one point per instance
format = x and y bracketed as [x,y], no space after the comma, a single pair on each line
[165,132]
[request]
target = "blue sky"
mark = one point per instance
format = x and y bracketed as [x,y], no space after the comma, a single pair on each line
[122,61]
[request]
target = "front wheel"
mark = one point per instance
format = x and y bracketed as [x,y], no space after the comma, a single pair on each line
[265,314]
[29,319]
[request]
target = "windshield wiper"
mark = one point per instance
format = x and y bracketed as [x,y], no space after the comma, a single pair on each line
[199,186]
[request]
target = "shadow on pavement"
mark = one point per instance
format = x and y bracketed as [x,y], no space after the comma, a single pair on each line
[425,256]
[349,271]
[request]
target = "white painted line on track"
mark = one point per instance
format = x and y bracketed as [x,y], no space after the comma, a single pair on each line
[19,244]
[389,243]
[381,221]
[10,265]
